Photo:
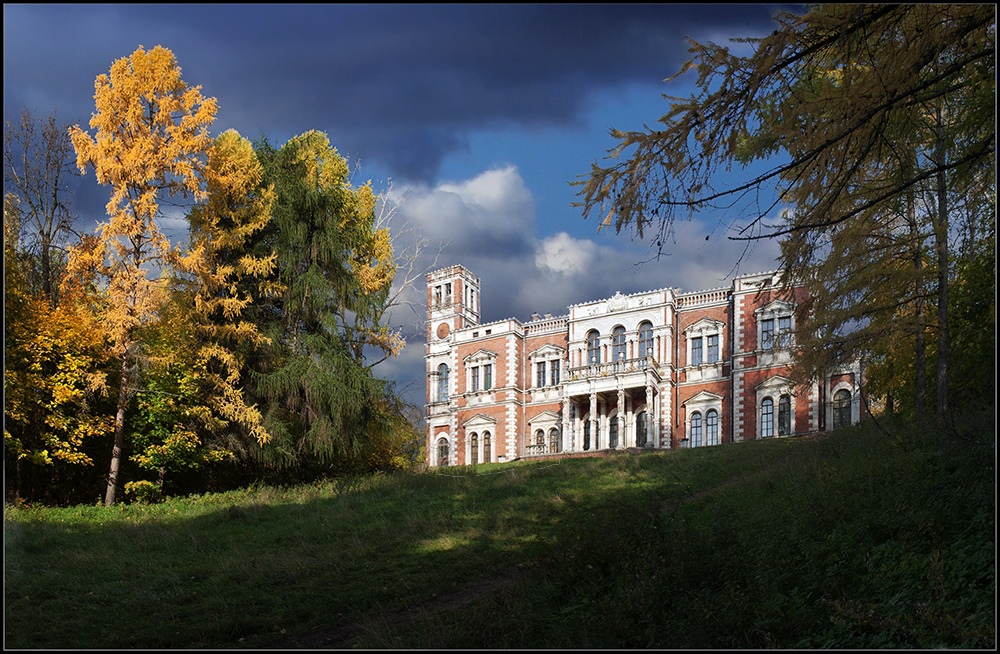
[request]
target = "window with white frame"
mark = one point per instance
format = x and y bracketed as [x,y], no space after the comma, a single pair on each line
[776,400]
[696,351]
[479,369]
[784,336]
[442,383]
[546,362]
[618,344]
[712,349]
[703,411]
[473,448]
[712,427]
[784,415]
[841,408]
[767,417]
[487,448]
[767,334]
[593,347]
[695,435]
[442,451]
[641,429]
[645,339]
[775,325]
[704,342]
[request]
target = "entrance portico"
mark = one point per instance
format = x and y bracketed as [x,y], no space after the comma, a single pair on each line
[612,406]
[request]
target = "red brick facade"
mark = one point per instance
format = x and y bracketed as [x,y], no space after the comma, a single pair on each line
[660,369]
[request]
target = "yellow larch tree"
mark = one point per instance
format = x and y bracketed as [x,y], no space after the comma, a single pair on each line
[150,140]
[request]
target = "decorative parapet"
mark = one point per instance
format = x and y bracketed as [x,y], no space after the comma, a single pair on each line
[713,296]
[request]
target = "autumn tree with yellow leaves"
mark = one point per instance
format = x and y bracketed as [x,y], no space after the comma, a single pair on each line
[150,140]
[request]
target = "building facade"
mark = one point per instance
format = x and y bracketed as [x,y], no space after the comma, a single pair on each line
[658,369]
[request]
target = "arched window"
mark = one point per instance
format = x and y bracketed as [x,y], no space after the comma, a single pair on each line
[442,390]
[613,432]
[696,429]
[539,438]
[593,347]
[641,429]
[841,408]
[618,343]
[767,417]
[474,448]
[645,339]
[586,433]
[555,440]
[784,415]
[712,427]
[487,449]
[442,451]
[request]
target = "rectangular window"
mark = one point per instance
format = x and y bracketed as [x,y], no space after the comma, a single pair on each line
[713,348]
[696,357]
[767,334]
[475,379]
[554,372]
[540,374]
[487,377]
[447,293]
[785,331]
[437,295]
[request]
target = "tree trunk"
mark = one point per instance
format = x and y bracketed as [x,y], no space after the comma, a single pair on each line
[920,346]
[119,444]
[941,233]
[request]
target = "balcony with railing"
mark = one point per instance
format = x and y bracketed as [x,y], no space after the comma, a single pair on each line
[622,367]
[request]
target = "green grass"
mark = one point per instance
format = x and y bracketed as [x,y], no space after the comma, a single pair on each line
[858,539]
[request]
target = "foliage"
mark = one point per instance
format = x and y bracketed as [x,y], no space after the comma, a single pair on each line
[243,354]
[56,372]
[150,140]
[225,278]
[320,402]
[870,147]
[854,539]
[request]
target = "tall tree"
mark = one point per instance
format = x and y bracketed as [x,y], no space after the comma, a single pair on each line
[321,403]
[226,279]
[831,98]
[37,160]
[150,139]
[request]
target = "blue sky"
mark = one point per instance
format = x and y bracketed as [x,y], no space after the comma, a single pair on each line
[479,115]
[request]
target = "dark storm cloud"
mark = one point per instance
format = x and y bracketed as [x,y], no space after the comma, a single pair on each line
[401,85]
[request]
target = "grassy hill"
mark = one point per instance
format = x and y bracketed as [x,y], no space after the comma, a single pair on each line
[864,538]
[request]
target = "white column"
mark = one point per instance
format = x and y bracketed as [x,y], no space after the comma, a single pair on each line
[621,420]
[594,423]
[651,418]
[565,436]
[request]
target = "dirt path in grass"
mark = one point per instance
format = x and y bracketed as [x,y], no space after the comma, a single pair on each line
[341,636]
